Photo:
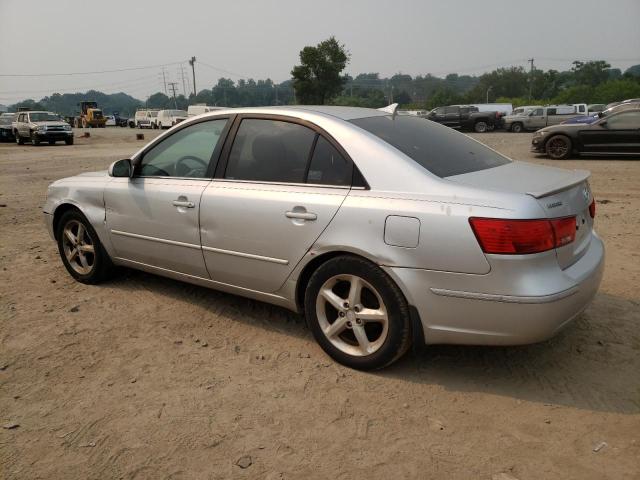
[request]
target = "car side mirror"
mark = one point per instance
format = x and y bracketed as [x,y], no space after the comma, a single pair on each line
[121,168]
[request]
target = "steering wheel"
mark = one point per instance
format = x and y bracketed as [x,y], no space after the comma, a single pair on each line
[184,170]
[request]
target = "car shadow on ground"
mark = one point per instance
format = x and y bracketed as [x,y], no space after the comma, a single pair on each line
[593,364]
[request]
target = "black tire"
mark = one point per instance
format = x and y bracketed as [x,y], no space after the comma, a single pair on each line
[102,267]
[516,127]
[19,139]
[558,147]
[480,126]
[35,140]
[68,141]
[398,336]
[52,142]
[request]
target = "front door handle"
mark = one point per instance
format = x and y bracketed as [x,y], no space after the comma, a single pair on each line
[183,203]
[301,215]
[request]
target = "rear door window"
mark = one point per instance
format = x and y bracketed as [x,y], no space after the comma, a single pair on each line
[439,149]
[270,151]
[328,166]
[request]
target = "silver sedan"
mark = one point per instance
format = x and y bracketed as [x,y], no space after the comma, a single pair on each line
[384,230]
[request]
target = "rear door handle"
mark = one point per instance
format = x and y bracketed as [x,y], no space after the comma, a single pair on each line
[183,203]
[301,215]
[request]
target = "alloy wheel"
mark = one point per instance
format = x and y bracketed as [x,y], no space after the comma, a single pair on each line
[352,315]
[79,248]
[557,147]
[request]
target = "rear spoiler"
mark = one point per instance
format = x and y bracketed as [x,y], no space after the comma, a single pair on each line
[577,177]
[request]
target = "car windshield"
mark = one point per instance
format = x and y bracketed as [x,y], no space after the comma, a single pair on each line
[44,117]
[177,113]
[441,150]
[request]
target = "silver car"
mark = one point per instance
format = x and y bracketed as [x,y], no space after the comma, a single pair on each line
[385,230]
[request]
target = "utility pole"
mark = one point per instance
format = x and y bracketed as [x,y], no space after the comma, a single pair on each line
[530,77]
[164,80]
[184,85]
[173,86]
[192,62]
[275,85]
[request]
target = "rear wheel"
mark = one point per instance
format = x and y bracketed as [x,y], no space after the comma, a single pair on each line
[480,126]
[80,249]
[516,127]
[558,147]
[357,314]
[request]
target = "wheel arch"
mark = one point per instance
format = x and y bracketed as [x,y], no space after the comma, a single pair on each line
[59,211]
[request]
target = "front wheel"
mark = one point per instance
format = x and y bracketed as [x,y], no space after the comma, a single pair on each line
[34,139]
[558,147]
[480,127]
[80,249]
[19,139]
[69,141]
[357,314]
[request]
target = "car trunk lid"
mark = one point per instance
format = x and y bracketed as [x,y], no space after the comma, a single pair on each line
[559,192]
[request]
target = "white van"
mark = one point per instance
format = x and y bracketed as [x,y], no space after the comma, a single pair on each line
[194,110]
[168,118]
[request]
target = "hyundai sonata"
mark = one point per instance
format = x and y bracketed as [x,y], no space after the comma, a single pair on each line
[384,230]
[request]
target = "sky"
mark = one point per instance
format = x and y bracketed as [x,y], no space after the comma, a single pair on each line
[260,39]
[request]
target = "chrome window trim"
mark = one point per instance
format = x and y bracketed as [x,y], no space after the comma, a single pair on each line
[290,184]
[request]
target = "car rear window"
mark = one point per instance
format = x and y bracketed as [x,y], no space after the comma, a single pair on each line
[441,150]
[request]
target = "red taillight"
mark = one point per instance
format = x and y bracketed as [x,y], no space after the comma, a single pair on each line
[592,208]
[498,235]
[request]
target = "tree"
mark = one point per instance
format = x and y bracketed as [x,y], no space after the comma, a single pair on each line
[317,79]
[590,73]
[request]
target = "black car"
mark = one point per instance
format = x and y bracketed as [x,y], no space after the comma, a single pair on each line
[614,134]
[6,129]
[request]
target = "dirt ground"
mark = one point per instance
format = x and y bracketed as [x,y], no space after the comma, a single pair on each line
[149,378]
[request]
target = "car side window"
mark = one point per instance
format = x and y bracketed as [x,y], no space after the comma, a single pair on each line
[538,112]
[551,111]
[451,110]
[270,151]
[327,166]
[186,153]
[630,120]
[439,111]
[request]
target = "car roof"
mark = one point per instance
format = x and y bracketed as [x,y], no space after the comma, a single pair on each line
[343,113]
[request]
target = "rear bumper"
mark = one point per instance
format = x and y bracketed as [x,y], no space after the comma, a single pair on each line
[502,307]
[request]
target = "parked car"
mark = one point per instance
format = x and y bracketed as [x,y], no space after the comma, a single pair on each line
[614,134]
[111,121]
[383,229]
[592,118]
[146,118]
[193,110]
[513,123]
[37,127]
[169,118]
[6,128]
[595,108]
[465,117]
[540,117]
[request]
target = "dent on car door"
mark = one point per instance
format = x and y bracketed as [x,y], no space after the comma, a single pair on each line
[153,217]
[282,185]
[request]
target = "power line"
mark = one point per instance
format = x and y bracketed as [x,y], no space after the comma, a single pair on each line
[86,73]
